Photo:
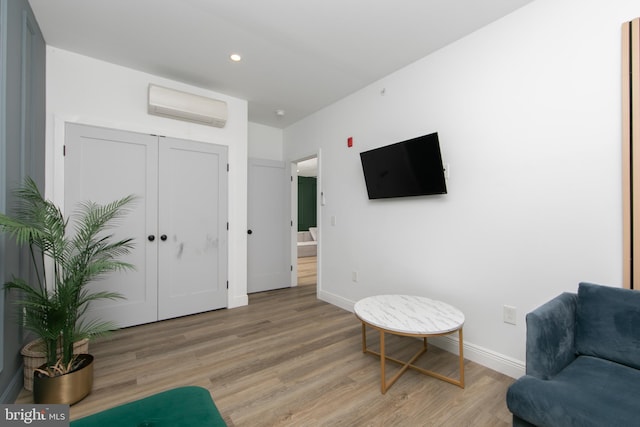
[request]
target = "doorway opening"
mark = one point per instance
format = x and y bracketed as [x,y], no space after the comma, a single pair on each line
[305,210]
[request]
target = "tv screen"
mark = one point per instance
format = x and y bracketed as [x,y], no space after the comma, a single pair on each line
[407,168]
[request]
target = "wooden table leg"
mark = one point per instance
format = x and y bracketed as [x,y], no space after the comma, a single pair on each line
[461,358]
[383,386]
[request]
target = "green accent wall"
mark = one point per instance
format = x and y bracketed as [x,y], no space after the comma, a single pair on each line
[307,204]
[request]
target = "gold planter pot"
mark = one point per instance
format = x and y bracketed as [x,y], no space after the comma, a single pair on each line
[66,389]
[33,355]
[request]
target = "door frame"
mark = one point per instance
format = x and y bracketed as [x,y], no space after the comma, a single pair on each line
[294,219]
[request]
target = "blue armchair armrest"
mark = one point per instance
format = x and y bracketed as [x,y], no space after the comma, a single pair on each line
[551,336]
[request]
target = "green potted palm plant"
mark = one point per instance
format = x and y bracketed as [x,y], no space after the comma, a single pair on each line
[66,255]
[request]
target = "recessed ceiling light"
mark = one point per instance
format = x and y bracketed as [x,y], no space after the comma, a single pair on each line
[235,57]
[280,113]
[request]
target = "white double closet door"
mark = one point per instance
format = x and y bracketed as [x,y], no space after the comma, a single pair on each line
[178,221]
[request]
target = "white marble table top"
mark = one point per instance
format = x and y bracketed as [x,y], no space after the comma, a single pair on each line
[409,314]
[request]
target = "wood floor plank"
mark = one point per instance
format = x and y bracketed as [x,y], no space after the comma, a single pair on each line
[307,271]
[288,359]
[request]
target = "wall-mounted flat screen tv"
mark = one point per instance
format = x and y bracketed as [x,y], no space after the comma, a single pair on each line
[408,168]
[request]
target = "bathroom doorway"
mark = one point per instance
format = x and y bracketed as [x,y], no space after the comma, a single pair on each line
[306,211]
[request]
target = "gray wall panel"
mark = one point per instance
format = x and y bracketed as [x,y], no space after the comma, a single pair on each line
[22,151]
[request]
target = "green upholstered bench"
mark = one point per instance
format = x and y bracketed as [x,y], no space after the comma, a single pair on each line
[179,407]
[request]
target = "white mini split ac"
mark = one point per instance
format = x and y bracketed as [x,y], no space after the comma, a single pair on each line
[186,106]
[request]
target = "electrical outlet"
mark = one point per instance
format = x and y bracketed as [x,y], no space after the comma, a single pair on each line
[509,314]
[354,276]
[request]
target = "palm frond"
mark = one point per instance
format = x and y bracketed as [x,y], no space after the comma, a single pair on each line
[94,328]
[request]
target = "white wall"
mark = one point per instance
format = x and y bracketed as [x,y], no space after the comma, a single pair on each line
[528,114]
[265,142]
[84,90]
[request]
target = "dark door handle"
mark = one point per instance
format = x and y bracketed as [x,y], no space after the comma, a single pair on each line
[163,237]
[151,237]
[249,231]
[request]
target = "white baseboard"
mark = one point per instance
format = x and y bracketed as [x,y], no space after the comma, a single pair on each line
[336,300]
[237,301]
[483,356]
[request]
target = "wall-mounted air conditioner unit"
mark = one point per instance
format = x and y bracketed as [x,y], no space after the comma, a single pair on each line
[186,106]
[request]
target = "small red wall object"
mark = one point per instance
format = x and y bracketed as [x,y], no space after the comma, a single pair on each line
[350,141]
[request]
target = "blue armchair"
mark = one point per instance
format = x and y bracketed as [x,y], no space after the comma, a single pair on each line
[583,361]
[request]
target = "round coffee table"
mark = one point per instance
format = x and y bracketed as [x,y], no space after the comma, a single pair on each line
[410,316]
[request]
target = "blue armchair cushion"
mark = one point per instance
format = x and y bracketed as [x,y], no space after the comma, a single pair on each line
[607,324]
[590,392]
[551,335]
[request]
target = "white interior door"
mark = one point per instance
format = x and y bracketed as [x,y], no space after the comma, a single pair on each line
[103,165]
[268,257]
[192,228]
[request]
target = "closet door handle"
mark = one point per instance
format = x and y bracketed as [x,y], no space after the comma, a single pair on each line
[163,237]
[249,231]
[151,237]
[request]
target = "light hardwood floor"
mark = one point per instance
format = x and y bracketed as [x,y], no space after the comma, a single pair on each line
[288,359]
[307,270]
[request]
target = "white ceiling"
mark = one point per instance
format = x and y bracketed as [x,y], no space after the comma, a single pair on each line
[298,55]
